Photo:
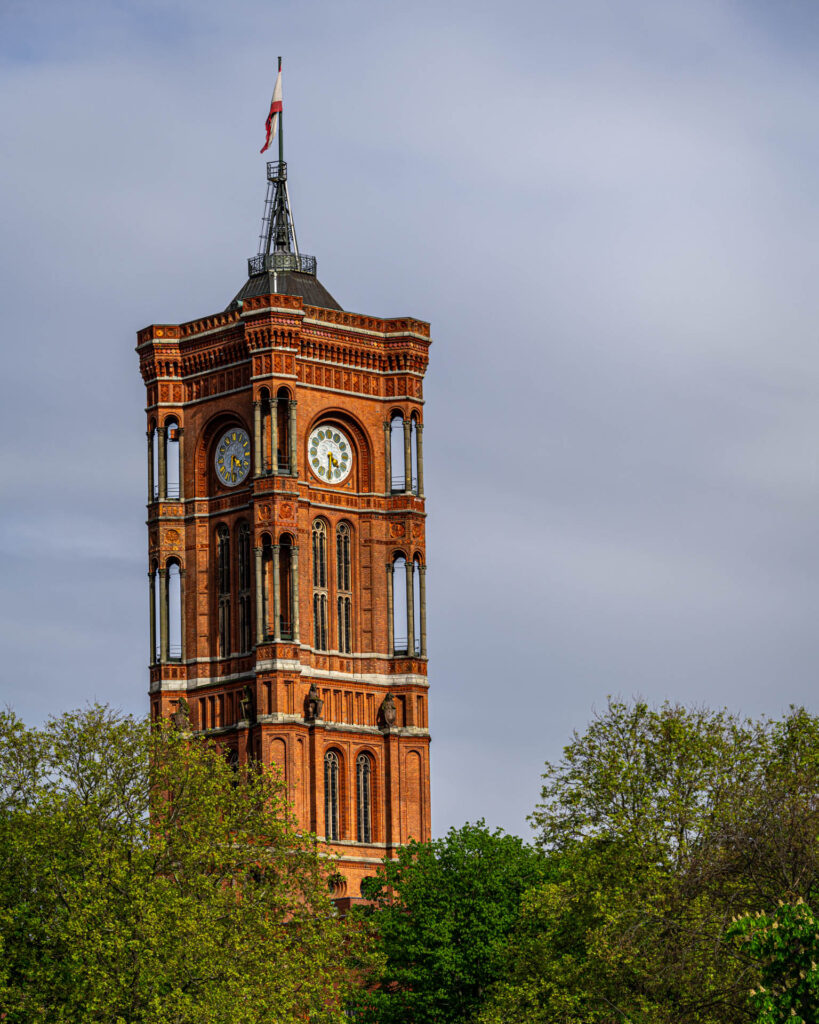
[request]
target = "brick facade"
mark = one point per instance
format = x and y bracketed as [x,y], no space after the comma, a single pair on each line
[323,366]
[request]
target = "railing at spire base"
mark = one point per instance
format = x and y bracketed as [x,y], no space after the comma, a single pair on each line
[281,263]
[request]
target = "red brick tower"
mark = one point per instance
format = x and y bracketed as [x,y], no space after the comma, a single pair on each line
[286,544]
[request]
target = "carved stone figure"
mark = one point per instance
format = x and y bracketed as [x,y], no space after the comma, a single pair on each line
[181,716]
[247,710]
[313,704]
[389,710]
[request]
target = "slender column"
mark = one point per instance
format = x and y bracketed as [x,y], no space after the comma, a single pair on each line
[419,451]
[294,572]
[257,439]
[180,433]
[273,409]
[388,457]
[293,448]
[277,598]
[164,649]
[163,464]
[182,575]
[150,436]
[259,600]
[422,587]
[410,576]
[390,630]
[407,455]
[152,605]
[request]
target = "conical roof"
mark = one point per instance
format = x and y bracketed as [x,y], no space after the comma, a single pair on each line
[285,273]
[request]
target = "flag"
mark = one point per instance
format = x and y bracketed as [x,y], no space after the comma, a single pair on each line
[272,123]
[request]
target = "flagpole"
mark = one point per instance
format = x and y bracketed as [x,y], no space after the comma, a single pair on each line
[281,125]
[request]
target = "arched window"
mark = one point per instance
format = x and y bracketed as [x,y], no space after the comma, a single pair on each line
[320,585]
[245,632]
[267,587]
[223,588]
[363,780]
[399,605]
[331,800]
[283,429]
[263,440]
[397,476]
[414,469]
[172,456]
[174,611]
[344,589]
[416,602]
[286,587]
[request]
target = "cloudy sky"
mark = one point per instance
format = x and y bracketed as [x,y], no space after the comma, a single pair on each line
[609,212]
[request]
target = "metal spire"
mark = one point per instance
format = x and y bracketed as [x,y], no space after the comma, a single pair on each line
[278,244]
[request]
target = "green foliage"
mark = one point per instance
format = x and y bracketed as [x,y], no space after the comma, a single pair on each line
[665,824]
[785,944]
[443,911]
[142,882]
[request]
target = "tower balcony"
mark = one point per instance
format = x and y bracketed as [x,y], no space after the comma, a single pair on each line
[281,263]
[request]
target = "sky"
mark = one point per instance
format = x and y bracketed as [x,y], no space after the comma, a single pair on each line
[608,210]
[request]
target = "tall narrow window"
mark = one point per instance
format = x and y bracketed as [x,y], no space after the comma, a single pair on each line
[245,635]
[320,585]
[223,586]
[363,776]
[397,468]
[399,605]
[283,429]
[344,588]
[331,795]
[174,611]
[172,457]
[263,440]
[285,587]
[414,454]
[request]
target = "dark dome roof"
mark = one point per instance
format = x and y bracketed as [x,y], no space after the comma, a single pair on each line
[288,282]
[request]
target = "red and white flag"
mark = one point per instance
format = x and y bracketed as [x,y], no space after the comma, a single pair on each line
[272,123]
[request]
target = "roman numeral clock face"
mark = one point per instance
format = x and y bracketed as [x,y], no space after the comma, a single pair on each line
[330,454]
[233,457]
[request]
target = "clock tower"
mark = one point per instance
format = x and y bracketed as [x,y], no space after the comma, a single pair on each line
[286,545]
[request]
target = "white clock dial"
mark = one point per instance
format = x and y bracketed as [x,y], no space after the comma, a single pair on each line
[330,454]
[232,457]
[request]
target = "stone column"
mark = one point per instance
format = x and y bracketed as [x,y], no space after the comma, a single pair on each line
[152,605]
[180,433]
[164,640]
[388,457]
[407,455]
[273,410]
[410,575]
[294,571]
[294,471]
[150,436]
[257,439]
[260,631]
[422,587]
[419,450]
[277,606]
[163,463]
[390,630]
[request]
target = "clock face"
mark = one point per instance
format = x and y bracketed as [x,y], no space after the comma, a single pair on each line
[232,457]
[330,454]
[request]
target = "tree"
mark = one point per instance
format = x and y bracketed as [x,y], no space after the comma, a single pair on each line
[666,823]
[442,912]
[785,944]
[143,880]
